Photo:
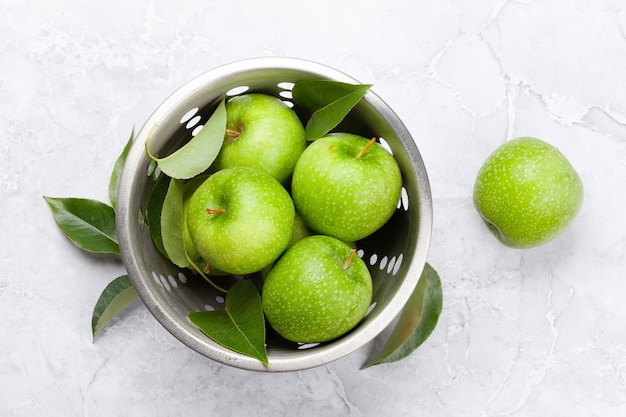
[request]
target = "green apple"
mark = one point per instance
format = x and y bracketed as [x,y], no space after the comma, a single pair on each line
[261,132]
[240,220]
[194,255]
[346,186]
[527,192]
[317,291]
[188,190]
[300,230]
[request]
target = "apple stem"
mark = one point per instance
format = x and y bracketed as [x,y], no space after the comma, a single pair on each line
[350,258]
[366,147]
[232,134]
[215,211]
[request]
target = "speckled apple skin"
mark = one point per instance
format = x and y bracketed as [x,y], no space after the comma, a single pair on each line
[527,192]
[272,136]
[341,195]
[255,228]
[309,297]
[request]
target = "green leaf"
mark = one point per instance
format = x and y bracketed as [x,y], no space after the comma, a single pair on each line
[199,153]
[240,326]
[152,171]
[154,207]
[172,224]
[117,170]
[417,320]
[116,297]
[328,102]
[89,224]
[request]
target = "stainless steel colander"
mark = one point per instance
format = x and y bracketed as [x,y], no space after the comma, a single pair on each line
[395,254]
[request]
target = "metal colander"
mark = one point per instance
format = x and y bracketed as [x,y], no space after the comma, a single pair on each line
[395,254]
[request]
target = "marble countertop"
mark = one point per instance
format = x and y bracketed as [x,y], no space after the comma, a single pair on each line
[538,332]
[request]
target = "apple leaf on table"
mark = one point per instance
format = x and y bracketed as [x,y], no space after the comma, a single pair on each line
[89,224]
[117,170]
[115,298]
[328,102]
[417,320]
[197,155]
[240,326]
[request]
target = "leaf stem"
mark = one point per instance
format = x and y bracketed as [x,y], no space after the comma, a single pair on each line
[366,147]
[203,275]
[154,158]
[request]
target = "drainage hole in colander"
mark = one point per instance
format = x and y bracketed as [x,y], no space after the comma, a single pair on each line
[403,201]
[237,90]
[285,85]
[197,130]
[164,283]
[169,282]
[383,262]
[189,115]
[385,145]
[191,120]
[303,346]
[172,281]
[370,308]
[194,121]
[392,262]
[286,94]
[396,267]
[219,299]
[404,198]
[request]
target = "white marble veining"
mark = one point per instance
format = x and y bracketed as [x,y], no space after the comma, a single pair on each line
[538,332]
